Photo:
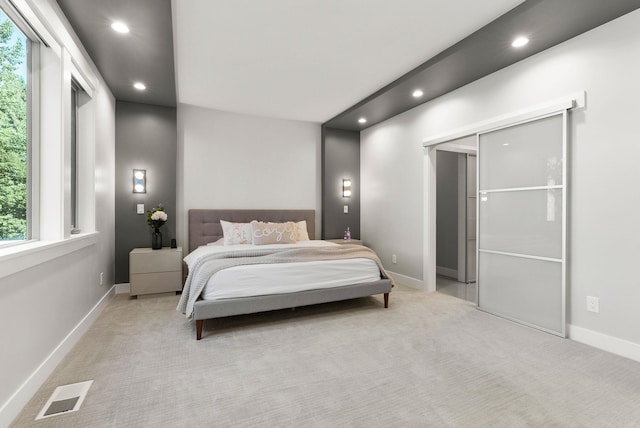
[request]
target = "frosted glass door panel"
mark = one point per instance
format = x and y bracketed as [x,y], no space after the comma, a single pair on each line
[521,224]
[533,299]
[524,222]
[525,155]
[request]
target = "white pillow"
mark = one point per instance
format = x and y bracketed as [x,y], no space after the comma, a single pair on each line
[236,233]
[274,233]
[301,229]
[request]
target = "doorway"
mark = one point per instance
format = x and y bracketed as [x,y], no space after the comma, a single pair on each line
[456,218]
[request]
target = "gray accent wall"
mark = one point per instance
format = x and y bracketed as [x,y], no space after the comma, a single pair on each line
[447,210]
[340,159]
[146,138]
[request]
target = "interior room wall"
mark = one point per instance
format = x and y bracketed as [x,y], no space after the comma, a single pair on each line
[447,212]
[229,160]
[41,306]
[391,158]
[603,149]
[340,160]
[146,138]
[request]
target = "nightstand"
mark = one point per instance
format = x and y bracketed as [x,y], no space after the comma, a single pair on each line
[155,271]
[345,241]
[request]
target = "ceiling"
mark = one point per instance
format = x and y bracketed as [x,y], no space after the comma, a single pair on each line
[309,60]
[545,22]
[145,54]
[328,62]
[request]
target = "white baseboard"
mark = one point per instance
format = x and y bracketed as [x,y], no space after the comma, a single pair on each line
[407,280]
[617,346]
[124,288]
[21,397]
[451,273]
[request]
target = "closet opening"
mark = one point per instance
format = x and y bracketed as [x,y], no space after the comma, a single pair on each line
[456,166]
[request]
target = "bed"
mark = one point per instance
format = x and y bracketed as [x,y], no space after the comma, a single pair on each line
[205,229]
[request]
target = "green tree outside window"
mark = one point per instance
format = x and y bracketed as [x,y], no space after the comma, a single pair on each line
[13,132]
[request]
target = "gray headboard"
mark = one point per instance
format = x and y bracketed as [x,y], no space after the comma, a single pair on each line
[204,225]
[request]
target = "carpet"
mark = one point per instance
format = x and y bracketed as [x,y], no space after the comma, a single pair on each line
[428,360]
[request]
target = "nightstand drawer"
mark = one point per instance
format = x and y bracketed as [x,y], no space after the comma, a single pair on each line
[147,283]
[146,260]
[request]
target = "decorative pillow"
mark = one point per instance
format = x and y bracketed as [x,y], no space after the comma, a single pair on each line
[236,233]
[302,234]
[274,233]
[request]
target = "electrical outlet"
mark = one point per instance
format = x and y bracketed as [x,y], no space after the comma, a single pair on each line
[101,278]
[593,304]
[394,259]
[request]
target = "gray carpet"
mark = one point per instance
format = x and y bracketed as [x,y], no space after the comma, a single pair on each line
[429,360]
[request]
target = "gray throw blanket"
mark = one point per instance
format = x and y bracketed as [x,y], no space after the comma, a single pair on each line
[204,267]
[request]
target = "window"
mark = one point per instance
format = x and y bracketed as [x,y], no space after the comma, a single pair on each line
[80,162]
[73,210]
[44,74]
[15,134]
[81,200]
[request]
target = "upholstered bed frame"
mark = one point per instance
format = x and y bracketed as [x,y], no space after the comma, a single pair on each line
[204,227]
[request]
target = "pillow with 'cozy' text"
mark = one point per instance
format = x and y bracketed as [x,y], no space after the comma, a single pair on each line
[273,233]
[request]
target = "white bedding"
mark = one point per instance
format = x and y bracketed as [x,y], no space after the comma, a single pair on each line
[257,280]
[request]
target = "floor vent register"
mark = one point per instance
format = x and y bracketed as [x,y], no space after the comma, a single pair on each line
[65,399]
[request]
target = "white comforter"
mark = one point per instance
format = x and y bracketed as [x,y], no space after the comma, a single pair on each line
[264,279]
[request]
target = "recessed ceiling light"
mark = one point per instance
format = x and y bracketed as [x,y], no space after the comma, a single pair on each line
[519,42]
[120,27]
[139,86]
[417,93]
[362,120]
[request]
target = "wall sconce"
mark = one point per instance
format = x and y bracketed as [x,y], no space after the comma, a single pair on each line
[346,188]
[139,181]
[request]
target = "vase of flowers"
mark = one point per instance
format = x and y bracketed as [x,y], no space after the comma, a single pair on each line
[156,217]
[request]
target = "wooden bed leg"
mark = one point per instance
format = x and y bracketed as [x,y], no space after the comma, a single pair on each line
[199,325]
[386,300]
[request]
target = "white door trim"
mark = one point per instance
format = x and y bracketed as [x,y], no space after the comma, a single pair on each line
[429,220]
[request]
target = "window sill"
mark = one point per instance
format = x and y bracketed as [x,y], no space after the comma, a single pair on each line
[19,257]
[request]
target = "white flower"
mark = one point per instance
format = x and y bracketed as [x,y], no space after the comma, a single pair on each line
[159,215]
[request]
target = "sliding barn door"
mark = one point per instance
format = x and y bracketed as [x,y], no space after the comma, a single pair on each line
[522,222]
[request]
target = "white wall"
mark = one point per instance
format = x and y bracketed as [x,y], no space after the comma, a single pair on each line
[604,205]
[229,160]
[42,307]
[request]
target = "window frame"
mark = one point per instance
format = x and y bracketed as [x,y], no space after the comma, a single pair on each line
[85,149]
[73,163]
[55,60]
[31,54]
